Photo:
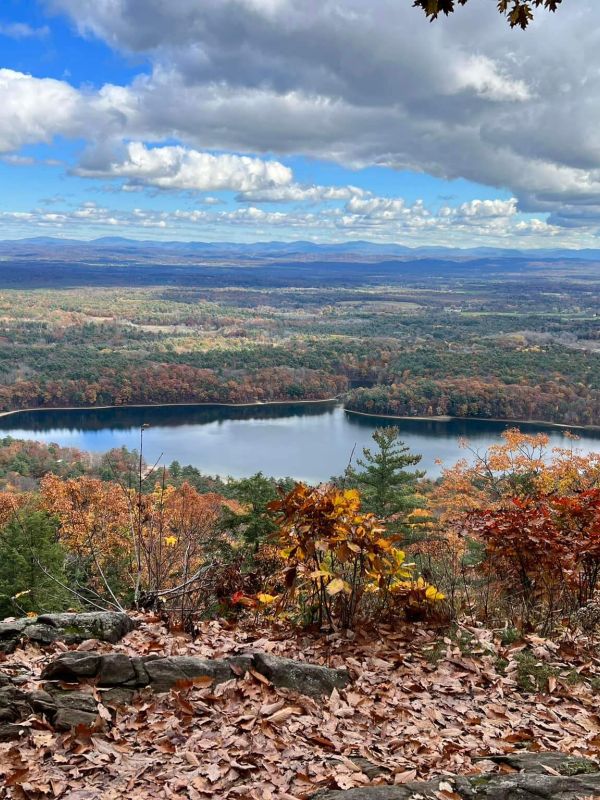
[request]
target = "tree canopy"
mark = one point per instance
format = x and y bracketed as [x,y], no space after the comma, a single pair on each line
[388,489]
[519,13]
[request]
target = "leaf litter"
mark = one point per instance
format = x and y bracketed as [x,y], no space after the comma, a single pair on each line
[418,707]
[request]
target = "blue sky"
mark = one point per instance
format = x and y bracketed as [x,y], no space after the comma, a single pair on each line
[248,120]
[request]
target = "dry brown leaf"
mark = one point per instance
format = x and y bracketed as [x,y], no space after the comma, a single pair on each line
[283,714]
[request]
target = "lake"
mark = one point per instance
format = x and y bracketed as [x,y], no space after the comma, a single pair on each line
[309,442]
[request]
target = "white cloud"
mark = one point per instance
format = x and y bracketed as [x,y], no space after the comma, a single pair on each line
[464,97]
[298,193]
[19,161]
[489,208]
[382,219]
[21,30]
[341,80]
[179,168]
[487,79]
[35,109]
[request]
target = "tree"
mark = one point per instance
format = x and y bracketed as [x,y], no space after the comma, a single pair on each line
[519,13]
[145,548]
[522,465]
[388,490]
[31,565]
[544,551]
[521,521]
[254,522]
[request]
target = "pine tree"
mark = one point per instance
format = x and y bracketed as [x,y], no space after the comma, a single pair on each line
[26,543]
[388,489]
[255,524]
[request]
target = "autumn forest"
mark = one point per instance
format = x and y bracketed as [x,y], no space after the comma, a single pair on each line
[299,400]
[491,338]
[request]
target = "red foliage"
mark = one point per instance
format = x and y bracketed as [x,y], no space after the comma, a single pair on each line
[545,548]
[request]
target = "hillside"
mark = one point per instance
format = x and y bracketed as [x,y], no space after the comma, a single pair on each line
[491,335]
[256,640]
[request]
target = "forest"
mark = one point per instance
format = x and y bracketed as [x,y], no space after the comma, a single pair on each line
[470,598]
[405,337]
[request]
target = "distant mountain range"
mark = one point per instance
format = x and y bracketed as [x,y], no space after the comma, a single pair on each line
[49,247]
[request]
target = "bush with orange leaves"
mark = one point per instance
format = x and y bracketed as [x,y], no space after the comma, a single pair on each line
[521,465]
[338,562]
[132,547]
[504,547]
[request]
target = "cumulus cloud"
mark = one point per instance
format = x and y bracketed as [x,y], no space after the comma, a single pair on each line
[366,83]
[179,168]
[412,224]
[343,80]
[36,109]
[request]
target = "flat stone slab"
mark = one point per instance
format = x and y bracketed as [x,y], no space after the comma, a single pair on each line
[162,674]
[577,778]
[71,628]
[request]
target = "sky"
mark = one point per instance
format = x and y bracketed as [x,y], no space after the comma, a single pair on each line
[321,120]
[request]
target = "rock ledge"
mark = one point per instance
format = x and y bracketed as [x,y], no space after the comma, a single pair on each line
[535,776]
[123,672]
[72,628]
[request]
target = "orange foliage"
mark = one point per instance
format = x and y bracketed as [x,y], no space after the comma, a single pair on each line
[10,502]
[94,515]
[521,465]
[545,550]
[149,542]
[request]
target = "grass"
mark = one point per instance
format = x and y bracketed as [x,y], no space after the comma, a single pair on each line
[532,675]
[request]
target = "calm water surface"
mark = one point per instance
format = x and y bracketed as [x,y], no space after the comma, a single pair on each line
[309,442]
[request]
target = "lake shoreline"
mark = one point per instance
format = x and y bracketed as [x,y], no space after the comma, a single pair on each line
[255,403]
[446,418]
[322,401]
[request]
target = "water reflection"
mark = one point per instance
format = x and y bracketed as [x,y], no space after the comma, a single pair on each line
[121,418]
[307,441]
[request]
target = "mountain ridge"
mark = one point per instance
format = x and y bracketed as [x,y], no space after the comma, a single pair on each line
[281,248]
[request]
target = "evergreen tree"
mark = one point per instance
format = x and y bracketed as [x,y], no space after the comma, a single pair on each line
[175,470]
[26,543]
[254,494]
[388,489]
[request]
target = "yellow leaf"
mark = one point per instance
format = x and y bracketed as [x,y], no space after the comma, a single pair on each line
[266,599]
[432,594]
[337,585]
[383,544]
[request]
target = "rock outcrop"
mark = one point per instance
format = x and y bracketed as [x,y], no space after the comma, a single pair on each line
[120,676]
[117,670]
[535,776]
[64,710]
[106,626]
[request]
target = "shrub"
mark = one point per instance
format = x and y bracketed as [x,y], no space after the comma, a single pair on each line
[338,564]
[543,550]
